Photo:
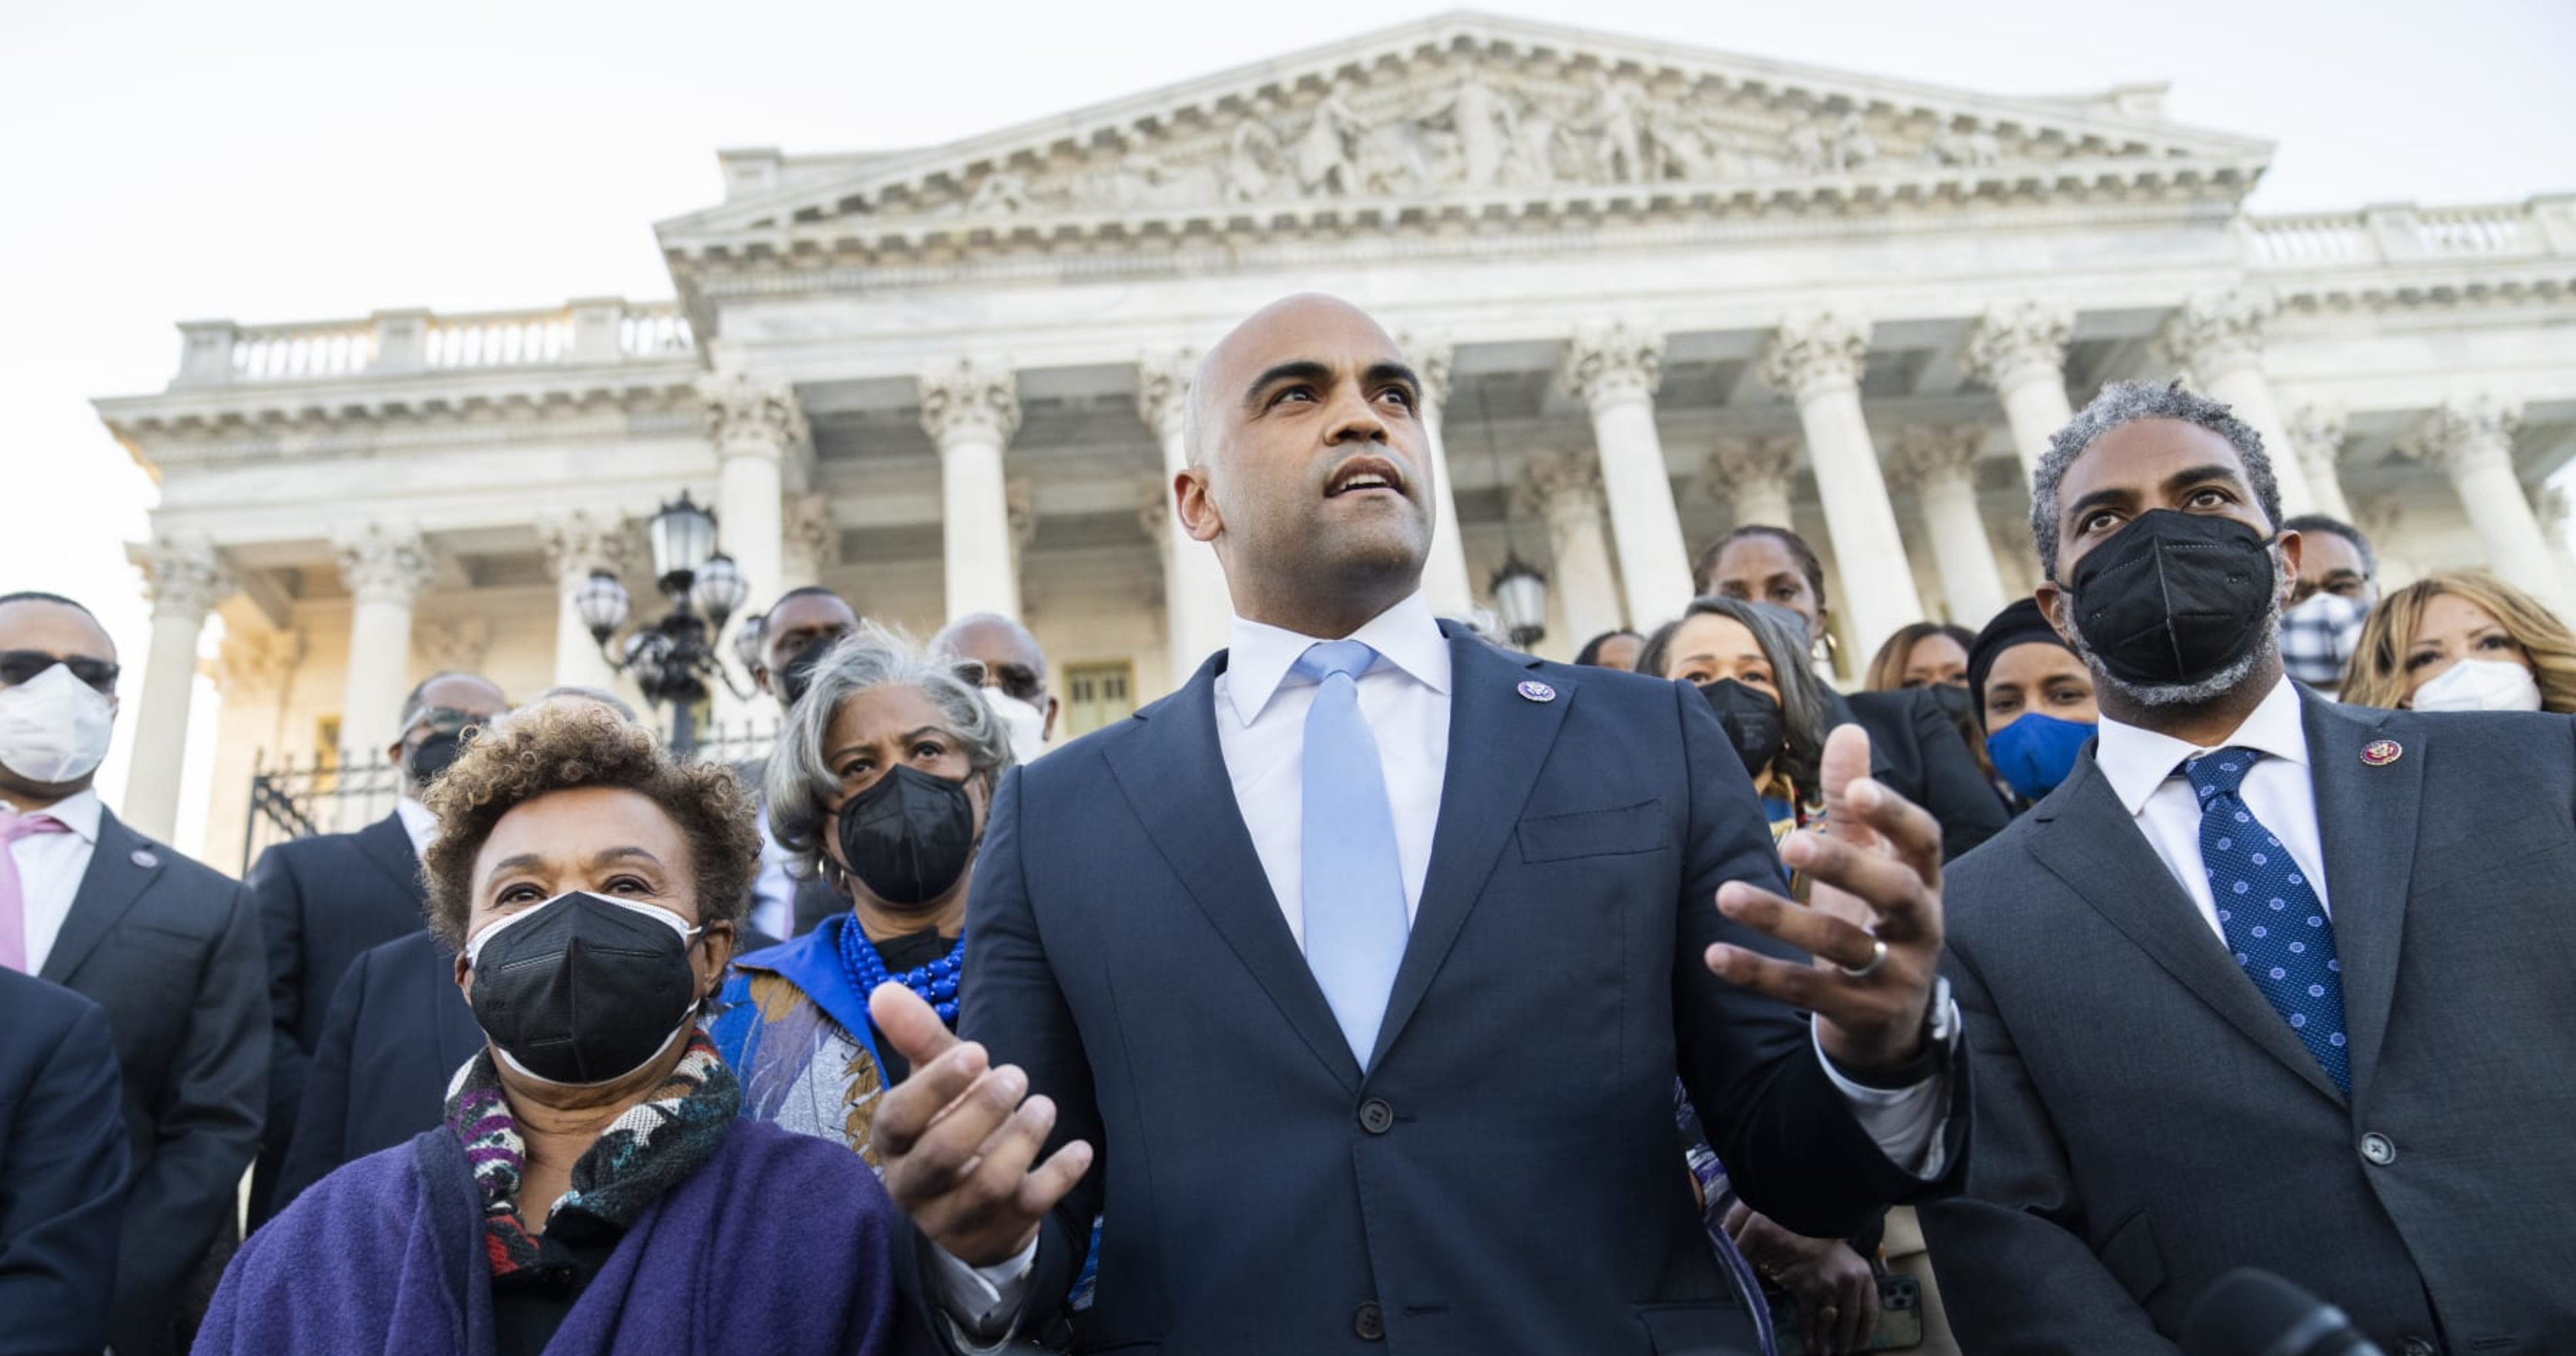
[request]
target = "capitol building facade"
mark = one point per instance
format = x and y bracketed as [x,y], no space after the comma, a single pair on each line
[1655,292]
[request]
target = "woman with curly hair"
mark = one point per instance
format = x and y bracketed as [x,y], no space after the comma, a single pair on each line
[2463,641]
[592,1185]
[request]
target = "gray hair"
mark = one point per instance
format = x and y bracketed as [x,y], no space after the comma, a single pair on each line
[2126,402]
[802,784]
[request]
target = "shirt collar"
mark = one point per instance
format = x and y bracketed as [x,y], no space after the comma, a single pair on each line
[2137,761]
[1406,635]
[78,813]
[418,822]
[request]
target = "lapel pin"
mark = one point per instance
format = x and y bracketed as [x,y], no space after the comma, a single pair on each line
[143,857]
[1536,691]
[2382,752]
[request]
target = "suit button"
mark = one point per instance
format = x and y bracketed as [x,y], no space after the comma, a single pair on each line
[2378,1149]
[1369,1322]
[1376,1116]
[2418,1346]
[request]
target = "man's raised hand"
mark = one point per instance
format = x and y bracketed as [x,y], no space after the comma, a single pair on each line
[1876,869]
[957,1138]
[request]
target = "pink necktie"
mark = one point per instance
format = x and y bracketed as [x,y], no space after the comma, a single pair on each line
[13,899]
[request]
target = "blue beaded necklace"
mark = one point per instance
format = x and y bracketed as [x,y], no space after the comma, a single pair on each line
[935,982]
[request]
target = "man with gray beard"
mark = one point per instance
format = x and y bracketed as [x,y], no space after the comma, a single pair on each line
[2267,981]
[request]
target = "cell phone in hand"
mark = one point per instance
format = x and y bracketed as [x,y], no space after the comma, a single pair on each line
[1900,1318]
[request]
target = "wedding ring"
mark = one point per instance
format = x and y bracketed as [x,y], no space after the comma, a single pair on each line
[1828,1313]
[1877,958]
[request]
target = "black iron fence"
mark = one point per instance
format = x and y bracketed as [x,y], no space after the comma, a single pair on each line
[347,791]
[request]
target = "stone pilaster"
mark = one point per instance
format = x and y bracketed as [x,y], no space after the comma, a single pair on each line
[1816,359]
[1613,369]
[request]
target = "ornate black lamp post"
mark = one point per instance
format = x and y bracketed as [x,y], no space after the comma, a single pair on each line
[673,659]
[1520,598]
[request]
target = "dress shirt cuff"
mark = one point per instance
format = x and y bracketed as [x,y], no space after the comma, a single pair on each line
[1905,1123]
[982,1304]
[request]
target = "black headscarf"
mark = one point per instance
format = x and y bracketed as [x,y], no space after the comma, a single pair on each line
[2020,624]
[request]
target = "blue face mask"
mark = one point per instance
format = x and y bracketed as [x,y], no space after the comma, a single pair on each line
[2036,752]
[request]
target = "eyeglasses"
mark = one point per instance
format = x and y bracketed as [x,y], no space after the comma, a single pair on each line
[22,666]
[445,720]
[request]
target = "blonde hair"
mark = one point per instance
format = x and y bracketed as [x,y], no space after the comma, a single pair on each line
[2378,672]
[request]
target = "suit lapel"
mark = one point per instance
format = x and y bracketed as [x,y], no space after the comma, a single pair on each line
[1498,743]
[115,879]
[388,844]
[1176,780]
[2088,840]
[2366,821]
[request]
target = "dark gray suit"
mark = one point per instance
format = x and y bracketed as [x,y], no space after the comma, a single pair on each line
[171,950]
[2147,1121]
[323,901]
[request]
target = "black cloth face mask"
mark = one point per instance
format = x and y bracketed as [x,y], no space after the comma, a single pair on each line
[909,837]
[582,989]
[2174,598]
[1753,721]
[434,755]
[798,676]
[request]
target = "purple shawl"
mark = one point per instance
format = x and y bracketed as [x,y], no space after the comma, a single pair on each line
[777,1243]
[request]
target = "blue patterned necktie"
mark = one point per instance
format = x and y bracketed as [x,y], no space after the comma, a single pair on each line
[1353,882]
[2274,919]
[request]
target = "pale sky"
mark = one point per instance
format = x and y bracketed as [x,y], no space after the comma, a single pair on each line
[288,161]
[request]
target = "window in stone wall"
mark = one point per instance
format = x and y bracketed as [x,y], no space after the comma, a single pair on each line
[1095,695]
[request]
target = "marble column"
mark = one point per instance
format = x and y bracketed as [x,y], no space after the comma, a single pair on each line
[576,544]
[1444,573]
[2019,348]
[1198,615]
[1753,476]
[1614,370]
[253,673]
[970,410]
[756,425]
[811,546]
[386,568]
[1941,465]
[1565,489]
[184,579]
[2219,337]
[1816,360]
[2471,439]
[2316,444]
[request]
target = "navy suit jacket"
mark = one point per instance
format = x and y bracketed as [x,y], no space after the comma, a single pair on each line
[171,949]
[1506,1175]
[62,1168]
[396,1033]
[2148,1121]
[322,901]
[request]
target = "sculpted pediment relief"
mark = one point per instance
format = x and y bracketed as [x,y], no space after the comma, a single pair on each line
[1471,107]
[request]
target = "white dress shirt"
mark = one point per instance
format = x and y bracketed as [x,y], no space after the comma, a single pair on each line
[418,823]
[1260,727]
[2145,771]
[50,868]
[773,891]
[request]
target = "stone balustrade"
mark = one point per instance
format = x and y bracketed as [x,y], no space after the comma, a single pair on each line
[588,332]
[2405,233]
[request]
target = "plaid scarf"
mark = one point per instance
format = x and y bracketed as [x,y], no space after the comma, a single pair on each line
[642,1154]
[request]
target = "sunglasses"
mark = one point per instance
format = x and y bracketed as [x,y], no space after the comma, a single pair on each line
[22,666]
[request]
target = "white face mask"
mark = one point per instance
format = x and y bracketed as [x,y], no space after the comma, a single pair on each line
[54,727]
[2339,616]
[2480,685]
[1023,723]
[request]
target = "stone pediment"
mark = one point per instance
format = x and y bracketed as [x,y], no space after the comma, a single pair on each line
[1472,113]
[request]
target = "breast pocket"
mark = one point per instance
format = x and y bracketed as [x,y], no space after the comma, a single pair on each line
[1624,831]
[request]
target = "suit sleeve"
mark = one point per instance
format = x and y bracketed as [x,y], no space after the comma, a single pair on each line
[1791,1145]
[208,1113]
[281,925]
[1015,1008]
[1954,790]
[2016,1273]
[65,1177]
[317,1142]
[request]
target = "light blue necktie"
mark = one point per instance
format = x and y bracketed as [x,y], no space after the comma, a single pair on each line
[2274,919]
[1353,880]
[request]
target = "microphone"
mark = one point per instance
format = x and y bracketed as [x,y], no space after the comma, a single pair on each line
[2249,1312]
